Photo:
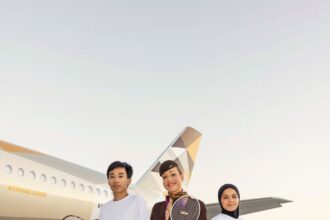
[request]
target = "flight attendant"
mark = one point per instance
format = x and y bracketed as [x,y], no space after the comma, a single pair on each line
[172,181]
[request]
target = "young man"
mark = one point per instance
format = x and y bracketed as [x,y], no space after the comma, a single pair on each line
[123,206]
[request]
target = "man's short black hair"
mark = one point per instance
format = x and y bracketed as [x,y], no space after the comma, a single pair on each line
[119,164]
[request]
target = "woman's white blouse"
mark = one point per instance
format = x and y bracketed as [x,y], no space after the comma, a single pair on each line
[224,217]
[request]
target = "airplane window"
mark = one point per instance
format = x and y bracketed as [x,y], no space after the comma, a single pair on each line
[105,193]
[98,191]
[53,180]
[20,172]
[82,187]
[63,181]
[73,185]
[43,177]
[33,175]
[90,189]
[8,169]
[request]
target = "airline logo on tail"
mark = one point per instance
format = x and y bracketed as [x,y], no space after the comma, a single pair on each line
[183,150]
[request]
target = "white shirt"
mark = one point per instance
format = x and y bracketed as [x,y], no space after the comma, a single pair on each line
[132,207]
[224,217]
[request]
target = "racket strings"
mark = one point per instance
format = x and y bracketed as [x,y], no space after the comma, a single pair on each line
[185,208]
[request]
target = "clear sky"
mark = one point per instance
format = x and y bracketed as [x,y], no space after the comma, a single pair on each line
[96,81]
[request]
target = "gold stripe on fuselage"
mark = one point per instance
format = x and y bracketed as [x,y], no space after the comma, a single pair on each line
[12,148]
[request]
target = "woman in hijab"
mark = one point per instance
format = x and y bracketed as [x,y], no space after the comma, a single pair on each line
[172,181]
[229,197]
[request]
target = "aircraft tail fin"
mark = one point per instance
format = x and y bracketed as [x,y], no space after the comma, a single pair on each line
[183,150]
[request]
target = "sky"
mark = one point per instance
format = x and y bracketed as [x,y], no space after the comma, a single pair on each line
[96,81]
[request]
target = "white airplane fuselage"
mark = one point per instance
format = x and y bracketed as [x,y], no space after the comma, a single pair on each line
[28,189]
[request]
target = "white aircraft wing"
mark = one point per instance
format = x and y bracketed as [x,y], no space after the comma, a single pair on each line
[249,206]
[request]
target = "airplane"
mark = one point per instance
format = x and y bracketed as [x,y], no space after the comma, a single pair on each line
[34,185]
